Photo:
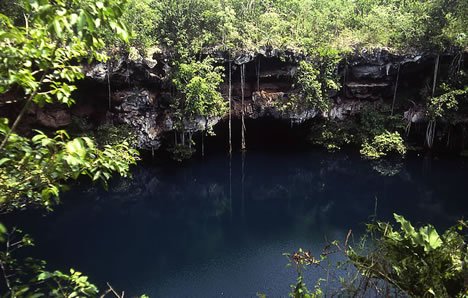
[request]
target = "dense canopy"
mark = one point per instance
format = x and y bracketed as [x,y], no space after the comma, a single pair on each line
[303,25]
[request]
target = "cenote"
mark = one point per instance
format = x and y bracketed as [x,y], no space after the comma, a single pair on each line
[217,227]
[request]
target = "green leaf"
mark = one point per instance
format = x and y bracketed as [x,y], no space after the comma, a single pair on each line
[57,27]
[3,231]
[405,225]
[431,237]
[44,275]
[3,160]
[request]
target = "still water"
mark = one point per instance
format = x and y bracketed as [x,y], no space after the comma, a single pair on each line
[216,227]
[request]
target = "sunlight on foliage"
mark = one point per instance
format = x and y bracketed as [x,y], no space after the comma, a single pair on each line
[383,144]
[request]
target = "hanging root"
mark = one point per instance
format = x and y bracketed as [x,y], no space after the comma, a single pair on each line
[243,147]
[230,105]
[430,133]
[408,128]
[396,88]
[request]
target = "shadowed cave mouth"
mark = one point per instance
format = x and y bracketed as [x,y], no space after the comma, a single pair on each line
[262,134]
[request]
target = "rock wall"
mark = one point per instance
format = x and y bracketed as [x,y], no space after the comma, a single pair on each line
[367,78]
[141,90]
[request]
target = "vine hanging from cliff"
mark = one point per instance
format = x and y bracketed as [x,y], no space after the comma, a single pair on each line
[197,97]
[314,83]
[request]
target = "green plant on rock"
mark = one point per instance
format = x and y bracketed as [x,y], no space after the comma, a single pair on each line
[360,130]
[333,135]
[314,82]
[197,85]
[440,106]
[181,152]
[375,120]
[383,144]
[197,96]
[114,134]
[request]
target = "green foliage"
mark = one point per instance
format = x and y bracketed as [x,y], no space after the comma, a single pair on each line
[449,95]
[181,152]
[419,262]
[197,84]
[14,10]
[186,28]
[74,284]
[404,261]
[333,135]
[141,18]
[30,278]
[197,96]
[115,134]
[314,82]
[375,120]
[369,130]
[33,171]
[440,106]
[41,59]
[381,145]
[302,260]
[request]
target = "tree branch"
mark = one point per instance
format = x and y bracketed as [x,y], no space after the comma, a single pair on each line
[21,114]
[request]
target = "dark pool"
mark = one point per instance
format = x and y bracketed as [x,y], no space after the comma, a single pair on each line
[203,230]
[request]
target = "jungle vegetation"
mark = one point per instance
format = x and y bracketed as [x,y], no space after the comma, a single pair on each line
[325,31]
[187,27]
[389,261]
[40,59]
[44,43]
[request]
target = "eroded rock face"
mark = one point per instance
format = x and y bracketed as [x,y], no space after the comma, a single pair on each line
[138,110]
[53,117]
[342,110]
[124,72]
[366,77]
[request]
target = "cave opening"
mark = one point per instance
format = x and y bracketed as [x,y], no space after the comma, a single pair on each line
[262,134]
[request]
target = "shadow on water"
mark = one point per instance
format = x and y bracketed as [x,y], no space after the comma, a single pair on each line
[218,227]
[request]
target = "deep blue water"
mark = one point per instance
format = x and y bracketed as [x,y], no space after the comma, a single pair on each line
[187,231]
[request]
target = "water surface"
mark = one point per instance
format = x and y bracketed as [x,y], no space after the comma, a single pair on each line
[216,227]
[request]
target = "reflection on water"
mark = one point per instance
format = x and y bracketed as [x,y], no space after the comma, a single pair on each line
[216,227]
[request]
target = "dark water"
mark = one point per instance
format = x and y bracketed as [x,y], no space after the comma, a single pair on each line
[186,231]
